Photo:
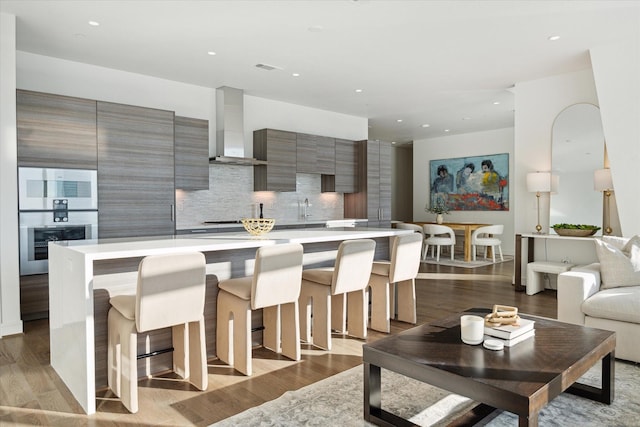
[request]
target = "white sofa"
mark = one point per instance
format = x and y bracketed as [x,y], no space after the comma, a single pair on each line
[582,301]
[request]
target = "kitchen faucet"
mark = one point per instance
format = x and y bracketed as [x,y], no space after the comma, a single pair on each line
[306,208]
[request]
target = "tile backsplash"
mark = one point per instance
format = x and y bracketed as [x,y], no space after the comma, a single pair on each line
[230,196]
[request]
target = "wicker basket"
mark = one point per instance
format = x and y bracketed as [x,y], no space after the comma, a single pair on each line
[258,226]
[574,232]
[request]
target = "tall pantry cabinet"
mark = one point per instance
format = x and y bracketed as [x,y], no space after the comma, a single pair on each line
[373,199]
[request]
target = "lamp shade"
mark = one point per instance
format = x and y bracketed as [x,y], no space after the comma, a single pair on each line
[602,180]
[539,181]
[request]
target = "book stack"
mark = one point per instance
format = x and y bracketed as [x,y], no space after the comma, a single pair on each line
[511,335]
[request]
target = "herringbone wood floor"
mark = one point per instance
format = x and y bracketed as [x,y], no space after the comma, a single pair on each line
[32,394]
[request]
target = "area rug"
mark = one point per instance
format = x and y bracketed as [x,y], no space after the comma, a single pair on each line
[338,401]
[458,261]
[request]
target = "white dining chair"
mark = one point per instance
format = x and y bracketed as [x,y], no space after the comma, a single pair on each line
[439,235]
[485,236]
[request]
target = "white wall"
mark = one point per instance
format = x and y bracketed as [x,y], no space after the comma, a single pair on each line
[470,144]
[10,322]
[616,70]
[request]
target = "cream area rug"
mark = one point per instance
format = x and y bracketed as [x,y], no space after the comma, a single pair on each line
[458,261]
[338,401]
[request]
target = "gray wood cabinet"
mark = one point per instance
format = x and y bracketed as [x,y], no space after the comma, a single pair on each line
[55,131]
[346,180]
[326,155]
[192,153]
[136,191]
[306,153]
[278,148]
[373,199]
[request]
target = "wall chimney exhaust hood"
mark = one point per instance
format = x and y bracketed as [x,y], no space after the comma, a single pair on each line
[230,147]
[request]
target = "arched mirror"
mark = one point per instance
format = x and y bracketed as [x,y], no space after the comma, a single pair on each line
[577,150]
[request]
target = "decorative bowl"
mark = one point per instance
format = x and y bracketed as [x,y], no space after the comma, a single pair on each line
[574,232]
[258,226]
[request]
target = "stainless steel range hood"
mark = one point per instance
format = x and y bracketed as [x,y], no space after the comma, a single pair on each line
[230,147]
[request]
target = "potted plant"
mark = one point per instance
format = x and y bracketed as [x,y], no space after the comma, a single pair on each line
[440,209]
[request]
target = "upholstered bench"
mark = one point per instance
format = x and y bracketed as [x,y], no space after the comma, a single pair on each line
[535,282]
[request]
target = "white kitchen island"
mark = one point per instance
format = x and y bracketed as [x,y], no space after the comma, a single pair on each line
[78,268]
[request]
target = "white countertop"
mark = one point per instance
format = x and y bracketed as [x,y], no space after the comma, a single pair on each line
[142,246]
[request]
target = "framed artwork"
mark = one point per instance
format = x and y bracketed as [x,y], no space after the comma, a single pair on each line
[478,183]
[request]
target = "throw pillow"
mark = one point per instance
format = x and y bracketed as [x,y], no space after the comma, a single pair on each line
[618,242]
[619,267]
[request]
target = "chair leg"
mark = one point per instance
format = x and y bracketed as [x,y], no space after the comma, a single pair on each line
[304,308]
[224,329]
[473,251]
[500,250]
[198,374]
[339,313]
[114,349]
[233,332]
[453,251]
[493,254]
[438,256]
[392,300]
[129,365]
[407,301]
[290,325]
[272,323]
[357,302]
[380,303]
[315,314]
[181,358]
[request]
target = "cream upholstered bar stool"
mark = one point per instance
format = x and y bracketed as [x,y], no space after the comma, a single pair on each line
[439,235]
[400,272]
[485,236]
[418,229]
[335,297]
[170,293]
[273,287]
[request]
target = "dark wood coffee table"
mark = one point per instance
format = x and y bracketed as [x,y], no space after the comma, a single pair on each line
[521,379]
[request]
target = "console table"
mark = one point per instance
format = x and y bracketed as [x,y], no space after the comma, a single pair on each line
[530,239]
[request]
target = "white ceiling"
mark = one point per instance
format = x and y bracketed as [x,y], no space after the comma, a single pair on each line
[444,63]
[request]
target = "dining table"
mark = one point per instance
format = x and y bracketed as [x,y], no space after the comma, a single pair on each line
[467,228]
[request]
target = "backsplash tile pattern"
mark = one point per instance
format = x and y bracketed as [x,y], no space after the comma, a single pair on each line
[230,196]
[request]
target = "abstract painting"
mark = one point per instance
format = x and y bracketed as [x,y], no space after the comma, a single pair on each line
[477,183]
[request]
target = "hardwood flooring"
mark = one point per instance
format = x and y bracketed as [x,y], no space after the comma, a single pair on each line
[32,394]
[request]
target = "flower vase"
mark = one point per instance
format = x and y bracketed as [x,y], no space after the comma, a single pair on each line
[439,218]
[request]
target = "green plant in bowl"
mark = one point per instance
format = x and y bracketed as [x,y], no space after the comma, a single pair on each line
[577,230]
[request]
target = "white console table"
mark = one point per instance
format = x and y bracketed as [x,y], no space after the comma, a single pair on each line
[528,251]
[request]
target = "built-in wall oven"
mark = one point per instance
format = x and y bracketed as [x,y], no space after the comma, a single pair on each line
[55,205]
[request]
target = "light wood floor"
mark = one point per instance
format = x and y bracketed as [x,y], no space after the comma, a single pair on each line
[32,394]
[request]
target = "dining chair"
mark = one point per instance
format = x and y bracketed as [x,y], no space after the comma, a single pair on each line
[274,287]
[336,297]
[485,236]
[439,235]
[170,293]
[418,229]
[399,272]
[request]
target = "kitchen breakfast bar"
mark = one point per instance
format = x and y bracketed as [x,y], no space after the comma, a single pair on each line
[84,274]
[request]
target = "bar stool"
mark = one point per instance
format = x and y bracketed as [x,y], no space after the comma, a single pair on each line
[401,271]
[418,229]
[337,295]
[274,287]
[170,293]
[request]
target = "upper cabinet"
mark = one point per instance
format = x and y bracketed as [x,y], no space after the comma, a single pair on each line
[192,153]
[278,148]
[326,157]
[315,154]
[136,192]
[55,131]
[346,179]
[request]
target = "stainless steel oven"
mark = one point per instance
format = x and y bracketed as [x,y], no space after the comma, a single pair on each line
[55,205]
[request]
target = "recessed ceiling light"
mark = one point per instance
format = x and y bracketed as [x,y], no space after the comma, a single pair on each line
[295,74]
[212,53]
[399,120]
[496,103]
[393,143]
[358,90]
[553,38]
[466,118]
[94,23]
[447,130]
[426,125]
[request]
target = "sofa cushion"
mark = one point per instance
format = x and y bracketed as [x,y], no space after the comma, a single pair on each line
[621,304]
[619,266]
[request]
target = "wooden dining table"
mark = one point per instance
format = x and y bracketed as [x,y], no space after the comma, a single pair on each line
[468,228]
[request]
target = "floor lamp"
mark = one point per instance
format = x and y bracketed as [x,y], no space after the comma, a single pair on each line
[602,182]
[539,182]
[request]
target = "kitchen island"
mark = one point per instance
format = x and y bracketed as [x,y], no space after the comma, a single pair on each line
[84,274]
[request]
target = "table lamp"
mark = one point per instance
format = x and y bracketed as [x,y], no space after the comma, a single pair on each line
[539,182]
[602,182]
